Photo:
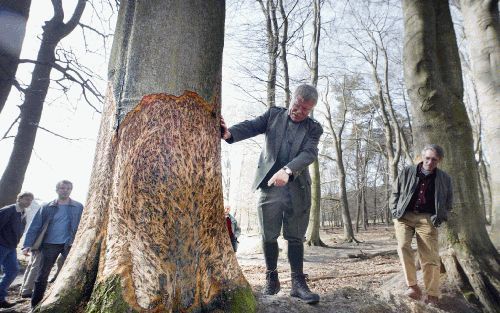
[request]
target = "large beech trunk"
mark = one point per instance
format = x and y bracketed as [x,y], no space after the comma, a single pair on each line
[153,237]
[482,29]
[434,82]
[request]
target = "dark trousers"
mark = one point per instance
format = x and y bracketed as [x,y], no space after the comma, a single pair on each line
[49,254]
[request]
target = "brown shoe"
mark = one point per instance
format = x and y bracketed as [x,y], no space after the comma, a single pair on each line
[414,292]
[432,301]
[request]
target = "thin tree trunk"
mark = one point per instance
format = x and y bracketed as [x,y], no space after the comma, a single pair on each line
[31,109]
[283,54]
[14,15]
[312,235]
[434,81]
[482,30]
[152,237]
[269,11]
[337,140]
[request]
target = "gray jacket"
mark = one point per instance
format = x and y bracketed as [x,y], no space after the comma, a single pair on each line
[304,149]
[405,185]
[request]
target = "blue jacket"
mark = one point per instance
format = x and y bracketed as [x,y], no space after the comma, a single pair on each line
[11,226]
[46,213]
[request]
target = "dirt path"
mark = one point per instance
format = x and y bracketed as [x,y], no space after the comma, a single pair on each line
[345,284]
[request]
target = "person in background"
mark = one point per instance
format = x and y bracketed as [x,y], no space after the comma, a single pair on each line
[61,218]
[12,224]
[33,267]
[232,227]
[421,197]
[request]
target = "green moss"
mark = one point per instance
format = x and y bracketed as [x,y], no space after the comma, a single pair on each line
[241,300]
[108,298]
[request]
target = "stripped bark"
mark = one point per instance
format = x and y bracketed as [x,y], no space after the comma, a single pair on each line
[152,237]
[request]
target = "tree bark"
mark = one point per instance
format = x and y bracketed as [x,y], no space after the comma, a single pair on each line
[31,109]
[13,17]
[312,235]
[153,237]
[482,30]
[269,11]
[434,81]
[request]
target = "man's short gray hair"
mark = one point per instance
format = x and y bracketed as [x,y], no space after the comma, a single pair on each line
[25,194]
[436,148]
[306,92]
[64,182]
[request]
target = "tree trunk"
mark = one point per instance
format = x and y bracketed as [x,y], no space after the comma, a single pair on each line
[153,237]
[269,11]
[434,81]
[482,30]
[13,16]
[312,236]
[283,54]
[31,109]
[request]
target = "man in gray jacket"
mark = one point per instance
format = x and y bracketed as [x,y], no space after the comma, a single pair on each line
[421,198]
[291,144]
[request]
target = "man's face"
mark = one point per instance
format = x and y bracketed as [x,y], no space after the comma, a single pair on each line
[24,202]
[64,191]
[430,160]
[300,109]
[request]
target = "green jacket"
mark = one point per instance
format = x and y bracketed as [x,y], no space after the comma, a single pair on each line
[405,185]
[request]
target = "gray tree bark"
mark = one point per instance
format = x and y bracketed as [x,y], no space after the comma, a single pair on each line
[13,16]
[434,81]
[482,30]
[312,235]
[153,237]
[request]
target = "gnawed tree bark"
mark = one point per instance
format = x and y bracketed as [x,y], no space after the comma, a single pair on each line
[13,17]
[152,237]
[434,82]
[482,30]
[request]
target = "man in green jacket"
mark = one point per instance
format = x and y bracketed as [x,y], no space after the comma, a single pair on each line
[421,198]
[291,144]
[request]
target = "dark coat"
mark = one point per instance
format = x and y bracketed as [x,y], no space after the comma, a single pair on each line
[303,152]
[11,226]
[405,185]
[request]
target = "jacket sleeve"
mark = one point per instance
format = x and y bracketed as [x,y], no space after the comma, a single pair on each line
[309,151]
[249,128]
[5,215]
[237,229]
[395,193]
[34,229]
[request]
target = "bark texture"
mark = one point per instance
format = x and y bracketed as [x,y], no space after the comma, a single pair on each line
[434,82]
[482,29]
[152,237]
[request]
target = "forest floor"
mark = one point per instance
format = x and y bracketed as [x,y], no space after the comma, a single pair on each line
[360,277]
[349,277]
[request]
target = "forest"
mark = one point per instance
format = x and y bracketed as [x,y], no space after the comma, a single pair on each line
[136,91]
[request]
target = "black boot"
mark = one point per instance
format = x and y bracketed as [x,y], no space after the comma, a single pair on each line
[299,284]
[38,292]
[272,286]
[271,252]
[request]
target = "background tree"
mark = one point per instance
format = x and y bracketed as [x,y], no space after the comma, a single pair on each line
[312,235]
[482,30]
[13,17]
[434,81]
[31,109]
[150,238]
